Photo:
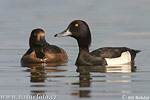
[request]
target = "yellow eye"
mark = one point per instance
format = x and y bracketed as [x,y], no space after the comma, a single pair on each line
[76,25]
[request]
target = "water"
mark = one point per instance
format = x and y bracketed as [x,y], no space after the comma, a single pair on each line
[112,23]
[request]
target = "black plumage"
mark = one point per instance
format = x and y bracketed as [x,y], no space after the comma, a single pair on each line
[79,30]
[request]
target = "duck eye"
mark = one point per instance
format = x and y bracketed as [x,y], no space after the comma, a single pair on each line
[76,25]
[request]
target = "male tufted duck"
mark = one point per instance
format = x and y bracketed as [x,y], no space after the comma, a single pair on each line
[42,52]
[79,30]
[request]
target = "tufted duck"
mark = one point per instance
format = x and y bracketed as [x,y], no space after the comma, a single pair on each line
[42,52]
[79,30]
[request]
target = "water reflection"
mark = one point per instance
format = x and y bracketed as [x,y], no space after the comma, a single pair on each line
[108,69]
[38,93]
[85,76]
[84,81]
[39,73]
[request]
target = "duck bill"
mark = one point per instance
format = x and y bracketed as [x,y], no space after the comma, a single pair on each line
[63,34]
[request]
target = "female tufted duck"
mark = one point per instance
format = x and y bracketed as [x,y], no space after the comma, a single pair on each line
[79,30]
[42,52]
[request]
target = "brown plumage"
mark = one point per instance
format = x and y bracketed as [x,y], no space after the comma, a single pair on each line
[42,52]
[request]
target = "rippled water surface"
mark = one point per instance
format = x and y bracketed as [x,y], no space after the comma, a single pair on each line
[112,23]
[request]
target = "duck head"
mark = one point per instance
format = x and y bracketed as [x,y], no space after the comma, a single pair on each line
[79,30]
[37,38]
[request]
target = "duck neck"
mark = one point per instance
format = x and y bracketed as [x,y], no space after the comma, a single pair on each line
[37,44]
[83,50]
[83,46]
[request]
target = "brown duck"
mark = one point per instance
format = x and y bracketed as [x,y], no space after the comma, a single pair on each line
[42,52]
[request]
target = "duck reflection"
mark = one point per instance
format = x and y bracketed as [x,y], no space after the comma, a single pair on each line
[39,73]
[84,80]
[85,75]
[120,68]
[108,69]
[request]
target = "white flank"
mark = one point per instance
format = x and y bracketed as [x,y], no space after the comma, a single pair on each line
[125,58]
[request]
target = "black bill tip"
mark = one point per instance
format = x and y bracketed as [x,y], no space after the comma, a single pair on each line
[55,35]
